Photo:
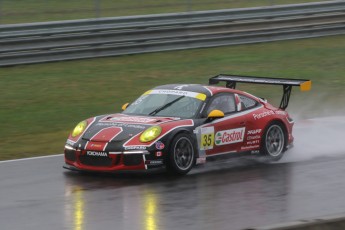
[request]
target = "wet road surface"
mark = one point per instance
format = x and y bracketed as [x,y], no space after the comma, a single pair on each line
[231,194]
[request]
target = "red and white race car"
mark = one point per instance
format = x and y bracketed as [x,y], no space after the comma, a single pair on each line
[179,125]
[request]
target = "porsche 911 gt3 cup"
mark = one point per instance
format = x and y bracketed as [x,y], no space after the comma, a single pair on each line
[177,126]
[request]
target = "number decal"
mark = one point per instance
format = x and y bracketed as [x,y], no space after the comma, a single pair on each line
[207,138]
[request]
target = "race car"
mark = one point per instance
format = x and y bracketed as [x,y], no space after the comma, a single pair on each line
[177,126]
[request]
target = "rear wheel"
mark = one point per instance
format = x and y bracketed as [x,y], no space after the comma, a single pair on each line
[181,156]
[273,142]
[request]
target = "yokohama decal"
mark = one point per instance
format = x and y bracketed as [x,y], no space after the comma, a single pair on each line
[96,154]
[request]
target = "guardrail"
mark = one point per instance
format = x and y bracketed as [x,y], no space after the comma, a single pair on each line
[89,38]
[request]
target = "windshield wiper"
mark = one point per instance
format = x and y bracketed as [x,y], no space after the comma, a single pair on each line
[154,112]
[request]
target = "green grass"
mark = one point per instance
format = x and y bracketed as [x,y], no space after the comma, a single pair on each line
[23,11]
[40,104]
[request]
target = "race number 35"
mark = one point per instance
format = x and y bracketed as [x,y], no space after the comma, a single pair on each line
[207,138]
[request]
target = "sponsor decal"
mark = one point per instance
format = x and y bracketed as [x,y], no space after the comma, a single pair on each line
[132,119]
[121,125]
[169,91]
[249,147]
[207,138]
[258,116]
[255,152]
[199,96]
[268,113]
[180,87]
[154,162]
[253,137]
[160,145]
[230,136]
[201,160]
[135,148]
[254,131]
[268,81]
[159,154]
[96,145]
[253,142]
[97,154]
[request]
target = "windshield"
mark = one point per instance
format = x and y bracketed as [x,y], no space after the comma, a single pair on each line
[165,105]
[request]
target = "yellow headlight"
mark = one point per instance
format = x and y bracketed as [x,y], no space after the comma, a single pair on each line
[150,134]
[79,128]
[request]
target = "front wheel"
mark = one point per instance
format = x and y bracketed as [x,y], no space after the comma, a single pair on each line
[273,142]
[181,156]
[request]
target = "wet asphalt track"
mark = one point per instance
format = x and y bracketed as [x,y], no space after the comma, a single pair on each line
[233,194]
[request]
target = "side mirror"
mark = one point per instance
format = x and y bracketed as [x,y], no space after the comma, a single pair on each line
[215,114]
[124,107]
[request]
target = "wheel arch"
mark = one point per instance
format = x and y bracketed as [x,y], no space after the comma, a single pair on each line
[184,131]
[179,160]
[282,125]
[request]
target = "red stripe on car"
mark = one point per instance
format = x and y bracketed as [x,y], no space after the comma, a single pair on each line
[106,134]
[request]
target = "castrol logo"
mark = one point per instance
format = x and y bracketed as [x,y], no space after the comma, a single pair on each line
[230,136]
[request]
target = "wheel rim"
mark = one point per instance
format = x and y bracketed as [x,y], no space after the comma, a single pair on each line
[183,153]
[274,140]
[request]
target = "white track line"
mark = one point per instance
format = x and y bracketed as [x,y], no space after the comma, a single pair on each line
[31,158]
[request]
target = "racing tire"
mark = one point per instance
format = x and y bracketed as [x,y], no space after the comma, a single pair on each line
[273,144]
[181,157]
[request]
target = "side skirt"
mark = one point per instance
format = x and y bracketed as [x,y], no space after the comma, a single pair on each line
[224,156]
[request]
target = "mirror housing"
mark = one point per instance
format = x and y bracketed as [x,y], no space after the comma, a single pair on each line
[124,107]
[215,114]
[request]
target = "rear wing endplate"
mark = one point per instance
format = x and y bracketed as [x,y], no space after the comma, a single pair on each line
[231,80]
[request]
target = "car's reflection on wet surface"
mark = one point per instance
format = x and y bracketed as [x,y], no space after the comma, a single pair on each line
[224,198]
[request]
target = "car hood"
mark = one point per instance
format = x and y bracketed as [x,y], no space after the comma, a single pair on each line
[120,127]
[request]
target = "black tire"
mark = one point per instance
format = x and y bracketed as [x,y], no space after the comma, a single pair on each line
[273,143]
[181,157]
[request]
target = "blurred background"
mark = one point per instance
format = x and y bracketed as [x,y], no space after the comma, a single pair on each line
[24,11]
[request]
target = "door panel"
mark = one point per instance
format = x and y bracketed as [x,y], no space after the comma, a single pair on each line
[226,134]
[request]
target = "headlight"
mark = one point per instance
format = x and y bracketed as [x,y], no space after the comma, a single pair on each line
[79,128]
[150,134]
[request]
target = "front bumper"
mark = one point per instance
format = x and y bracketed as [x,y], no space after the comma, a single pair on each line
[80,160]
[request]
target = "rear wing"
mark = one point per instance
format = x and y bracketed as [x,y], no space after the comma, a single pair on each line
[231,80]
